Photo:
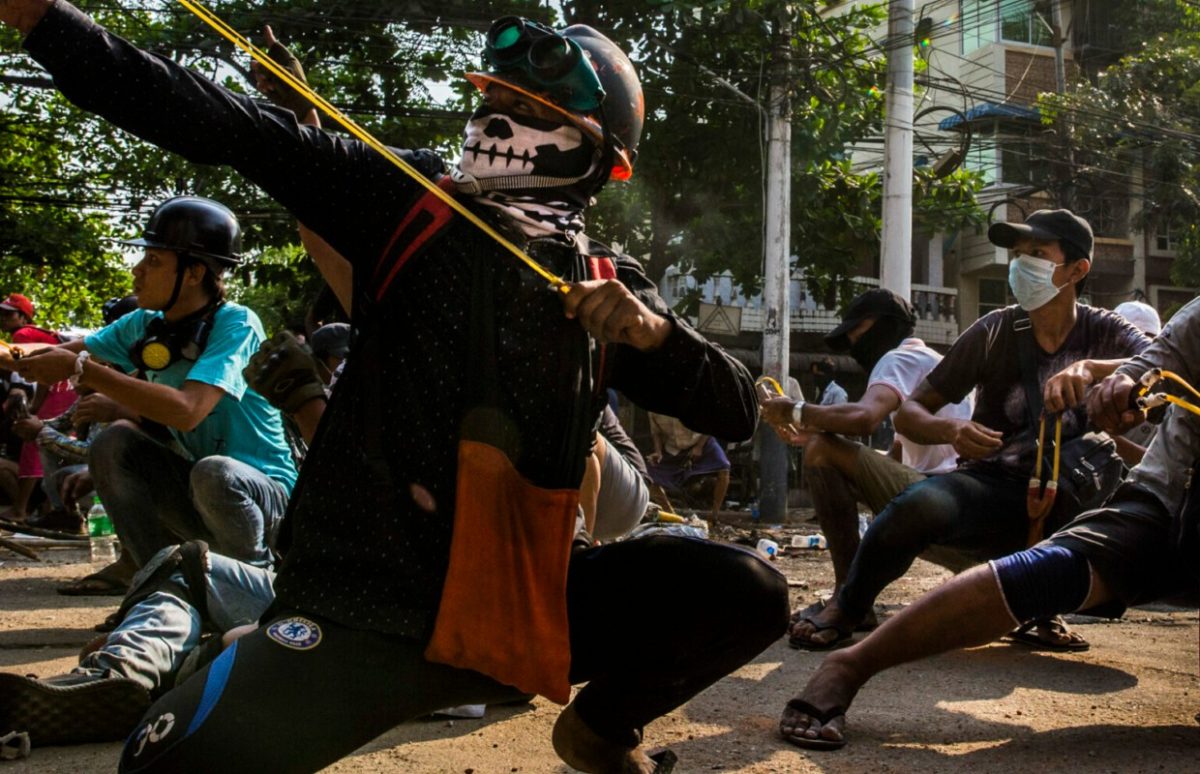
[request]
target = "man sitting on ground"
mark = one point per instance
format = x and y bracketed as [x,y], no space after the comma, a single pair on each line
[683,461]
[877,330]
[1143,545]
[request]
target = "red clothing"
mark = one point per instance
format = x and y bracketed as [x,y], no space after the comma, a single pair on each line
[59,399]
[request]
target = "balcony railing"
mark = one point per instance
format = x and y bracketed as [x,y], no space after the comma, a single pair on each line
[936,309]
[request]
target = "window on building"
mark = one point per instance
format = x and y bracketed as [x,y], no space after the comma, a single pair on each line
[1013,21]
[1108,214]
[981,158]
[1021,160]
[1167,239]
[1024,21]
[993,295]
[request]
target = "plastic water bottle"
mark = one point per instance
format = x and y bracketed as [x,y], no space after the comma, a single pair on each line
[768,548]
[102,539]
[815,542]
[754,512]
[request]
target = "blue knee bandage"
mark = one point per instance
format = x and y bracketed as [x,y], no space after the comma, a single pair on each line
[1043,581]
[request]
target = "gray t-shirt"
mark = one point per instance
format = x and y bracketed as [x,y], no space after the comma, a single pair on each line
[1176,447]
[985,358]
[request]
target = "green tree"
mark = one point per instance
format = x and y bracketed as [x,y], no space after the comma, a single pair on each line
[697,197]
[1142,114]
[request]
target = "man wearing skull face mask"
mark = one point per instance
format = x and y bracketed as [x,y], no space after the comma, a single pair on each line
[877,330]
[394,555]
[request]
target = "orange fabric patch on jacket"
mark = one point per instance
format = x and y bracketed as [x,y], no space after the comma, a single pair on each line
[504,603]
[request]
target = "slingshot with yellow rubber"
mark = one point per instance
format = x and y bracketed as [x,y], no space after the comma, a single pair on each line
[1147,400]
[268,64]
[1039,498]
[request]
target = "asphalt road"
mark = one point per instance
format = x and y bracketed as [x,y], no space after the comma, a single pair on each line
[1127,705]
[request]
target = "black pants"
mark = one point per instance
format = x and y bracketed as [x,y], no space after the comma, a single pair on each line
[981,514]
[654,621]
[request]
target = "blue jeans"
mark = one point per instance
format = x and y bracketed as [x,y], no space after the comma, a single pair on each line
[159,632]
[54,472]
[156,498]
[980,514]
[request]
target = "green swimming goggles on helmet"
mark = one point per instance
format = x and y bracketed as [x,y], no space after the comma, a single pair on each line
[551,62]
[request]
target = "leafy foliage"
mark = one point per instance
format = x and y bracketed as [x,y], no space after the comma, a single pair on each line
[68,182]
[1144,111]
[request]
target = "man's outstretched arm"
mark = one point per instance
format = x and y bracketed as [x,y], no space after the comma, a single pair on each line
[168,105]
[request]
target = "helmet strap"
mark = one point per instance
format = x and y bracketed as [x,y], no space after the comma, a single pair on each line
[181,266]
[603,170]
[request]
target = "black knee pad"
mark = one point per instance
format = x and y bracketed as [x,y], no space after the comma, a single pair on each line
[1043,581]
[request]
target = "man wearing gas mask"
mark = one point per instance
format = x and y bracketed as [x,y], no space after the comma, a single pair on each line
[230,485]
[980,510]
[877,331]
[428,547]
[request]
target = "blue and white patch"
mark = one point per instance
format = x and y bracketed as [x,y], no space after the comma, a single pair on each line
[295,633]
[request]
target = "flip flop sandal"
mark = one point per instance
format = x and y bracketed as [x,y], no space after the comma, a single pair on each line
[94,585]
[1028,635]
[824,716]
[803,643]
[664,761]
[870,623]
[809,612]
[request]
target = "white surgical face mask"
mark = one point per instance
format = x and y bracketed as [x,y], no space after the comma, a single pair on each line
[1032,281]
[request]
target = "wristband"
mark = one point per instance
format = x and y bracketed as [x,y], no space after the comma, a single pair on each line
[80,359]
[798,413]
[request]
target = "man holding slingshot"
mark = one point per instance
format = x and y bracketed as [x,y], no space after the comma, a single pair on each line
[393,599]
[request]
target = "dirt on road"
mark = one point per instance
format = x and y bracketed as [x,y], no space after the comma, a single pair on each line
[1127,705]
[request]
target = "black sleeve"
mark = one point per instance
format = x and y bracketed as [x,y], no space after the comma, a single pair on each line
[688,377]
[301,167]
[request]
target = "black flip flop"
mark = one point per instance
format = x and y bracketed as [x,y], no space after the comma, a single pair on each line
[664,761]
[824,716]
[870,623]
[1027,636]
[800,643]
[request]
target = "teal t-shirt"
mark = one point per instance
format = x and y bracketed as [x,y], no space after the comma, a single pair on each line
[242,425]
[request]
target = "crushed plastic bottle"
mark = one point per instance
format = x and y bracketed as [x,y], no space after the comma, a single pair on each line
[815,542]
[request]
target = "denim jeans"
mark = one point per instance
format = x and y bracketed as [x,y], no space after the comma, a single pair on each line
[54,472]
[156,498]
[979,513]
[159,632]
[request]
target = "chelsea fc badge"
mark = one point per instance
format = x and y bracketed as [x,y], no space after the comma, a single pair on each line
[295,633]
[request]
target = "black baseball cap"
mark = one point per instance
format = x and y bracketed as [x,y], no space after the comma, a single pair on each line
[332,340]
[1048,225]
[875,303]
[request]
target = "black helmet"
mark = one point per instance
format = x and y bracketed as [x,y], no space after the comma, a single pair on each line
[196,228]
[116,308]
[623,108]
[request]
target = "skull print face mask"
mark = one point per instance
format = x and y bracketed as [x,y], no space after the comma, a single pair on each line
[510,152]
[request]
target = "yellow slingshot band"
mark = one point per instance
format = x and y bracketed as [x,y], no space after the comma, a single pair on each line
[236,38]
[1149,400]
[1041,451]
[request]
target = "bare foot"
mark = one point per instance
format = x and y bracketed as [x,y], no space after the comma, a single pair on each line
[824,629]
[817,717]
[582,748]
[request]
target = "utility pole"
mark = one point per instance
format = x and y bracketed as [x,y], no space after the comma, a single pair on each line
[895,269]
[773,459]
[1066,186]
